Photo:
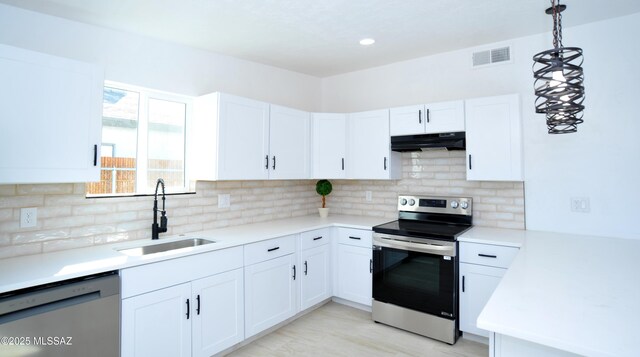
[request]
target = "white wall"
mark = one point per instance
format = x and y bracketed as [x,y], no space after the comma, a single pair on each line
[156,64]
[601,161]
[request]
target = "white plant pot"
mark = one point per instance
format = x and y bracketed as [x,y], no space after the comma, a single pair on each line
[324,212]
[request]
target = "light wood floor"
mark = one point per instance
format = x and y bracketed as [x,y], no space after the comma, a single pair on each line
[339,330]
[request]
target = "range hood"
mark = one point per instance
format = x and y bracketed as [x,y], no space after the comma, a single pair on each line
[422,142]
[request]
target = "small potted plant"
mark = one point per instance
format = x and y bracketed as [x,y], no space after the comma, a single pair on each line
[323,188]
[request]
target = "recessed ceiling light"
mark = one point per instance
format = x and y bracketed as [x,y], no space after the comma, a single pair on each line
[367,41]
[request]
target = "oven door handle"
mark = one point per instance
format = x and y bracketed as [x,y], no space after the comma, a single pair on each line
[415,247]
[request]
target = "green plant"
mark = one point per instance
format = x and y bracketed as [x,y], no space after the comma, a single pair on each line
[323,187]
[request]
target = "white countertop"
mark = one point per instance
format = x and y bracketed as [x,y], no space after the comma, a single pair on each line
[575,293]
[495,236]
[23,272]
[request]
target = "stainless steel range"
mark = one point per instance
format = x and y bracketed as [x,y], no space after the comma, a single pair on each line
[415,266]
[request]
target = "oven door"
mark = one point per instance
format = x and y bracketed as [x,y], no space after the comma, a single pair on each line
[418,276]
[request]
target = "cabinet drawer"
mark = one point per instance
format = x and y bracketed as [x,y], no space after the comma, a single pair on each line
[269,249]
[315,238]
[487,254]
[155,276]
[355,237]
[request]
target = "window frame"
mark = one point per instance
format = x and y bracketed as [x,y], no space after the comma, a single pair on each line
[142,140]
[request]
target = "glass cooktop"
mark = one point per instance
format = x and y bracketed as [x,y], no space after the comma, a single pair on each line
[421,229]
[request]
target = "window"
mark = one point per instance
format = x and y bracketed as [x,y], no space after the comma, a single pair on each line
[143,139]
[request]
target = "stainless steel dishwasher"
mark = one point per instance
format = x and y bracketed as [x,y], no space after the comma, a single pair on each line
[71,318]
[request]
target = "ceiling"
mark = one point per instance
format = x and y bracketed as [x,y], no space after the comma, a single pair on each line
[320,37]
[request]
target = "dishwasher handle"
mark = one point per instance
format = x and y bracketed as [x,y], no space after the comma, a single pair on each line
[45,298]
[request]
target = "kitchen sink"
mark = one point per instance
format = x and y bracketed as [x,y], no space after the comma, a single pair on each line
[165,247]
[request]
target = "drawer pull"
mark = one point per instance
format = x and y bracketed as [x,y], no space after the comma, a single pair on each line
[463,283]
[294,272]
[272,249]
[487,255]
[188,309]
[317,238]
[356,238]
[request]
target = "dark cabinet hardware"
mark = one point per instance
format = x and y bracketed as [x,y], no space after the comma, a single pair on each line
[428,115]
[420,116]
[385,163]
[266,162]
[469,161]
[274,162]
[305,267]
[356,238]
[272,249]
[198,306]
[487,256]
[370,265]
[317,238]
[95,155]
[188,309]
[343,164]
[463,283]
[294,272]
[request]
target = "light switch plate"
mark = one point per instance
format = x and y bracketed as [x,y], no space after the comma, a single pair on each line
[28,217]
[580,204]
[224,200]
[367,195]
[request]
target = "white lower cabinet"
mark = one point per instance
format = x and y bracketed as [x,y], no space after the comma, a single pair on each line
[354,265]
[199,318]
[270,293]
[315,264]
[482,266]
[155,324]
[191,306]
[218,322]
[477,283]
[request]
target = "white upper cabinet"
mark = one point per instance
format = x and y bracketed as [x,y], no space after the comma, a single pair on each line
[494,139]
[51,118]
[407,120]
[329,145]
[431,118]
[289,143]
[229,138]
[235,138]
[369,147]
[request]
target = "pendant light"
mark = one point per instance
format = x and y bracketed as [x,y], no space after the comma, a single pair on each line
[559,78]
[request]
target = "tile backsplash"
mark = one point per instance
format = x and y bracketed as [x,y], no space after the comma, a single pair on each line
[440,173]
[66,219]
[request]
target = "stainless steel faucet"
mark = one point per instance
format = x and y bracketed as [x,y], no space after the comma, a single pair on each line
[162,228]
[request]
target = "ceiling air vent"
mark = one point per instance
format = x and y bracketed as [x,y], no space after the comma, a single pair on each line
[496,55]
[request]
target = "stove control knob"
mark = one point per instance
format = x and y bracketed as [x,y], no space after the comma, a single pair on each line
[464,204]
[403,201]
[412,202]
[454,204]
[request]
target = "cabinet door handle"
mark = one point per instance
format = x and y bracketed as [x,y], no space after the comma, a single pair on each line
[317,238]
[469,161]
[343,164]
[305,267]
[274,162]
[463,283]
[487,255]
[370,265]
[428,115]
[420,116]
[356,238]
[385,163]
[266,162]
[95,155]
[198,306]
[272,249]
[188,309]
[294,272]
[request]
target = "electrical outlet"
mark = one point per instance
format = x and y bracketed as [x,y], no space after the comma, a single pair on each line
[224,200]
[367,195]
[580,204]
[28,217]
